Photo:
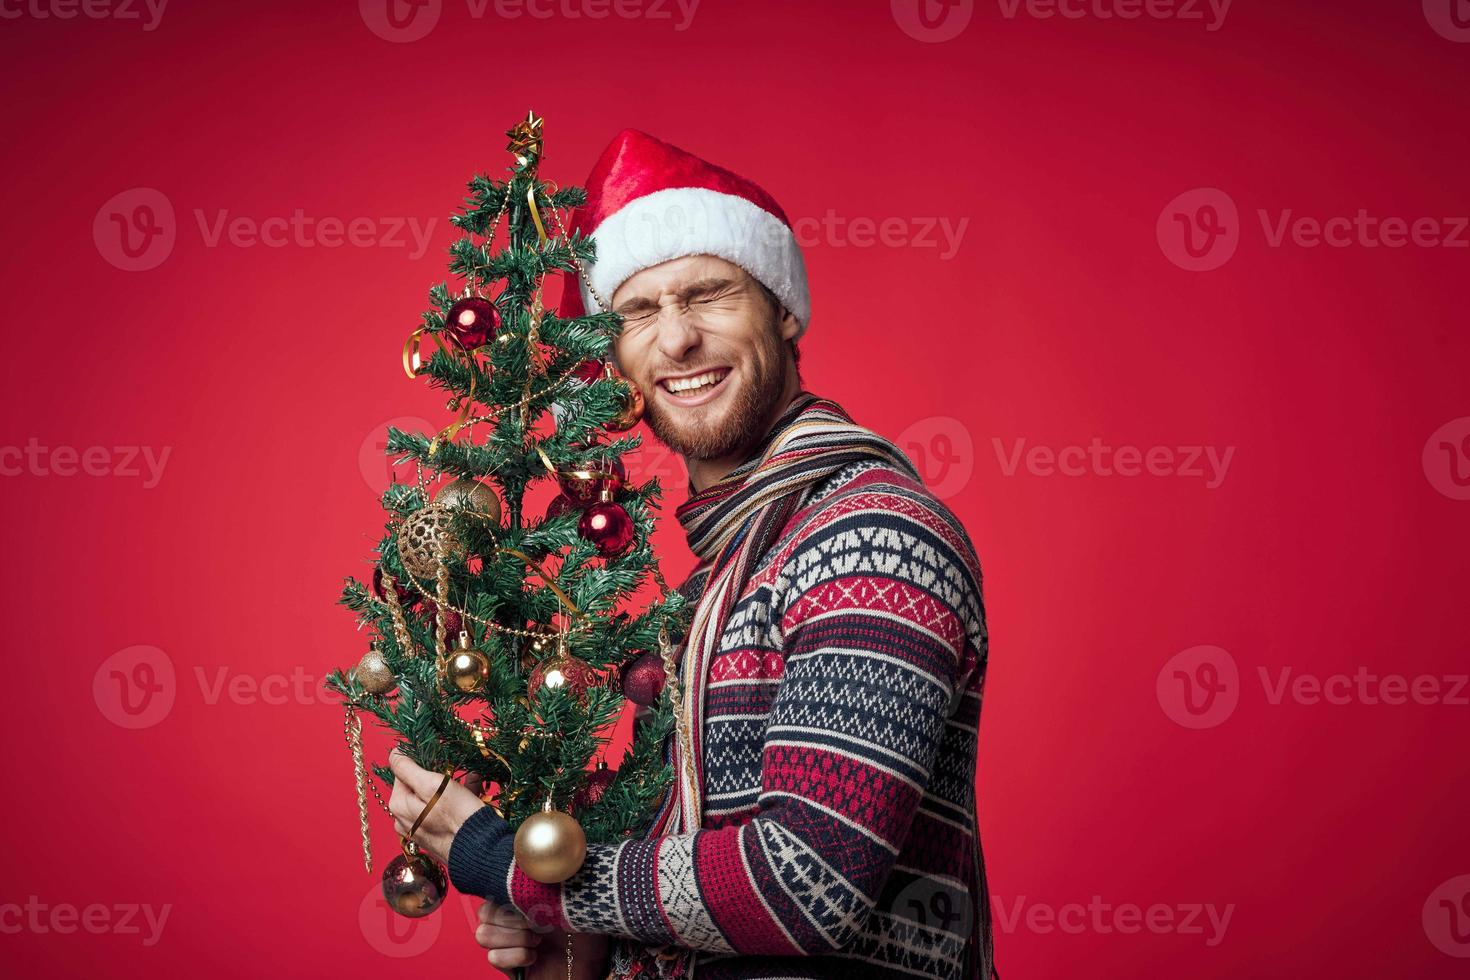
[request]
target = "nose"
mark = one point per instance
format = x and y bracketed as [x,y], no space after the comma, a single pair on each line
[677,336]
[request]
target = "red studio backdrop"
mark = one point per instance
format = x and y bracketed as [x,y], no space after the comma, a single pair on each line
[1167,297]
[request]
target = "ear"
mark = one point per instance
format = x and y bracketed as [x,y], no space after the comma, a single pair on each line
[788,326]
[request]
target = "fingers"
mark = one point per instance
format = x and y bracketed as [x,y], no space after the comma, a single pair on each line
[503,959]
[501,937]
[405,806]
[502,915]
[423,782]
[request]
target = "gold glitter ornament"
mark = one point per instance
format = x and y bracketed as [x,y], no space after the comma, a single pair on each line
[425,535]
[374,674]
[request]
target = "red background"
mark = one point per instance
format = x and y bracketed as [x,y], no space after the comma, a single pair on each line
[1328,546]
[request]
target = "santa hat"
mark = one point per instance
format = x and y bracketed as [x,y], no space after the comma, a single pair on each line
[649,202]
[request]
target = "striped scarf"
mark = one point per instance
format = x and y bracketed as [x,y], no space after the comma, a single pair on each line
[732,524]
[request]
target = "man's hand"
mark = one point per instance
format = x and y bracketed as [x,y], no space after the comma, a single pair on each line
[413,786]
[508,936]
[512,941]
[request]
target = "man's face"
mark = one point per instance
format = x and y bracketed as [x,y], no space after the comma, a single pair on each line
[704,344]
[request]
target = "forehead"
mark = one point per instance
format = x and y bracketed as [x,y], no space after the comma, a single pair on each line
[673,275]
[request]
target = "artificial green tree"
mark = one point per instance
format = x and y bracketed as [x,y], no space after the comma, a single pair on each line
[500,638]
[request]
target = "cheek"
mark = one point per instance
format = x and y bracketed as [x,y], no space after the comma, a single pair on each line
[631,357]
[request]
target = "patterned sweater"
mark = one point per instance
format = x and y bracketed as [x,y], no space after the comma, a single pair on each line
[840,836]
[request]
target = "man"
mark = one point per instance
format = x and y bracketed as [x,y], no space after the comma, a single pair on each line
[822,823]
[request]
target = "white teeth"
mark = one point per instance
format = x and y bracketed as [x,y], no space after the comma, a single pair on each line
[680,385]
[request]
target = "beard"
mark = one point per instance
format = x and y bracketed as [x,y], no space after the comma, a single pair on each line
[743,421]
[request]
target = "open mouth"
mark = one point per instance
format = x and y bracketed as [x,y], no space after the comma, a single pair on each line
[695,389]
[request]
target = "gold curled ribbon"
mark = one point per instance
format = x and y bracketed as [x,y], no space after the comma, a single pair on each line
[565,599]
[407,840]
[535,214]
[485,750]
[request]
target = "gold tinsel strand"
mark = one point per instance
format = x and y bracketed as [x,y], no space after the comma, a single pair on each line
[671,681]
[441,581]
[359,773]
[395,609]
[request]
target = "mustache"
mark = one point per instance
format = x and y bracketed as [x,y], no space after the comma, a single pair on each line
[684,371]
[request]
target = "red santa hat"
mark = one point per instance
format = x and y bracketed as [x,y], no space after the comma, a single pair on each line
[649,202]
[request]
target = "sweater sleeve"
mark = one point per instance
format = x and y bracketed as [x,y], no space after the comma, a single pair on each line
[872,651]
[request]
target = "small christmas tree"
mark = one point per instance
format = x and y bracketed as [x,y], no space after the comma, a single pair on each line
[500,649]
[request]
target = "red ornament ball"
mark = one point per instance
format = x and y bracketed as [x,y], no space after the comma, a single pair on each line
[643,679]
[569,674]
[559,505]
[590,481]
[453,621]
[473,321]
[608,526]
[406,596]
[598,780]
[588,371]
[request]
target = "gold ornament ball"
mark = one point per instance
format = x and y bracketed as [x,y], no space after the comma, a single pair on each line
[632,408]
[464,669]
[374,674]
[424,533]
[550,846]
[473,496]
[415,886]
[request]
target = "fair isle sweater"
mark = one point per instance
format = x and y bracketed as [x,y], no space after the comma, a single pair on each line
[840,834]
